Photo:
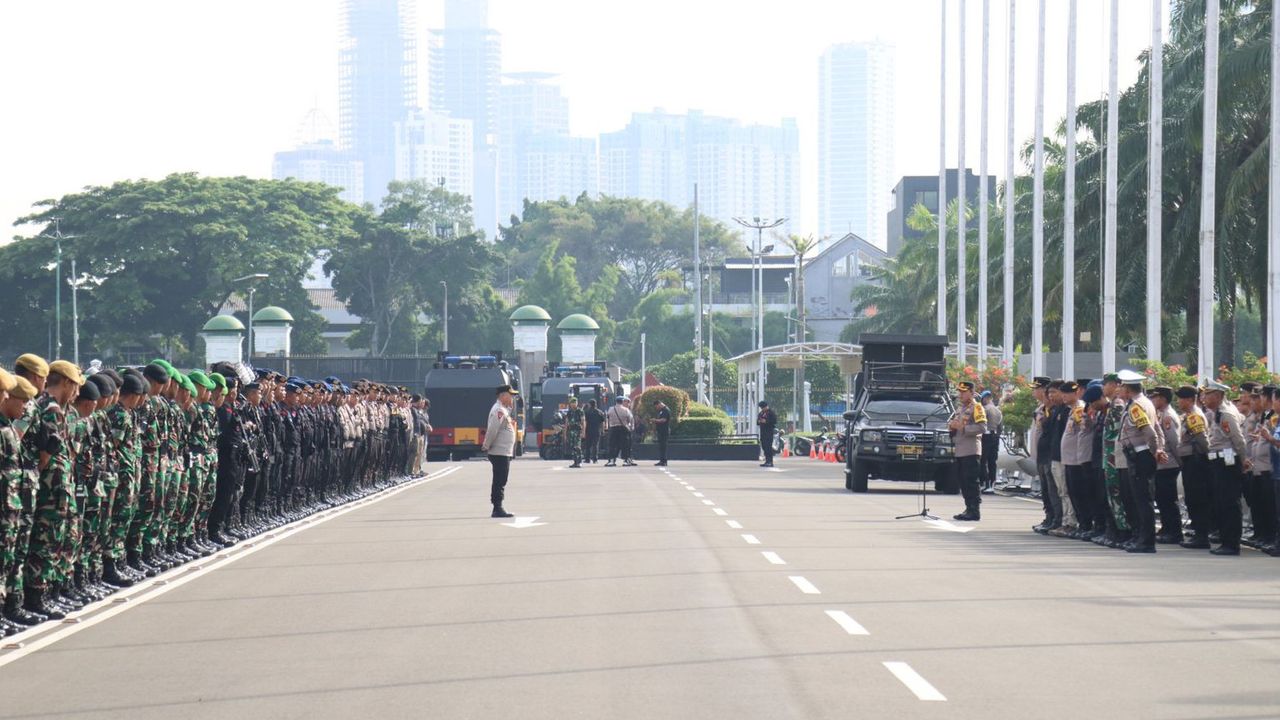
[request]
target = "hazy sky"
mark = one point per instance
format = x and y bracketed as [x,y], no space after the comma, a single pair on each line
[100,91]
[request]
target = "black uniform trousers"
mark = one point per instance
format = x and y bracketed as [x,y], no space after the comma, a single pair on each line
[990,455]
[663,435]
[501,465]
[1197,476]
[1227,480]
[1141,475]
[619,438]
[1167,502]
[766,444]
[967,471]
[1080,488]
[1262,506]
[591,446]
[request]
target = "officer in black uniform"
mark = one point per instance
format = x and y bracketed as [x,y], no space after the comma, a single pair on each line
[767,421]
[662,428]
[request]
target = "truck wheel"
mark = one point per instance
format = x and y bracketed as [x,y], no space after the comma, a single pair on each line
[542,451]
[855,477]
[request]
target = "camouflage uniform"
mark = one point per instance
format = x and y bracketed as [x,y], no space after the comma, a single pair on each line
[573,421]
[12,479]
[29,462]
[122,496]
[55,498]
[152,429]
[1111,477]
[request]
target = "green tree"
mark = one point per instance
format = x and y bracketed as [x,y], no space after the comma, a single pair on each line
[158,258]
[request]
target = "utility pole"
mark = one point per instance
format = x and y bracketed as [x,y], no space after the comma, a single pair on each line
[75,314]
[760,225]
[1112,188]
[697,292]
[962,198]
[58,237]
[983,199]
[1037,212]
[445,339]
[1273,209]
[253,288]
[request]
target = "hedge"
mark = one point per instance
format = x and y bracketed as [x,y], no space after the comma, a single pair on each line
[676,400]
[703,427]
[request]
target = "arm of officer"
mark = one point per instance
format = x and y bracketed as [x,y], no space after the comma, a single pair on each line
[977,425]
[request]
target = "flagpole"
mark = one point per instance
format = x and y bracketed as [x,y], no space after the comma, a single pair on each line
[1037,212]
[1069,205]
[1155,185]
[942,177]
[1010,197]
[1112,182]
[1208,196]
[983,199]
[962,197]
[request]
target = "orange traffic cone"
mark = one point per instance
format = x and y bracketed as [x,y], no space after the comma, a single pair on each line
[786,449]
[831,453]
[813,449]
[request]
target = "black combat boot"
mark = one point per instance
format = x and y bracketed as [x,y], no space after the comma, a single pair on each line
[111,575]
[16,613]
[36,603]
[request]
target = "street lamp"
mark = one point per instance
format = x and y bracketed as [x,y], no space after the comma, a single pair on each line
[760,225]
[253,288]
[58,237]
[445,285]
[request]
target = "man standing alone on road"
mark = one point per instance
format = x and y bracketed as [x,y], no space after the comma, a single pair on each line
[500,444]
[662,428]
[767,421]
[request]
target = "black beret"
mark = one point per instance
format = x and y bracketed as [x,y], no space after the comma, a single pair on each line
[133,385]
[89,391]
[115,376]
[1068,387]
[250,387]
[156,373]
[106,387]
[1162,391]
[1187,391]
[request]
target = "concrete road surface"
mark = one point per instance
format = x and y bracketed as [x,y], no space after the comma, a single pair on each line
[704,590]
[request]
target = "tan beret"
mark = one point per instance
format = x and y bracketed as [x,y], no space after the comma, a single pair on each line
[33,364]
[23,389]
[67,369]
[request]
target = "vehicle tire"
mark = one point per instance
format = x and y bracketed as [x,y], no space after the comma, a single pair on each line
[855,477]
[947,484]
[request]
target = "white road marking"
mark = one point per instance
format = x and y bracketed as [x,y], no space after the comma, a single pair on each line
[524,522]
[558,467]
[720,511]
[699,495]
[773,557]
[751,539]
[683,482]
[850,625]
[914,682]
[105,609]
[707,502]
[690,486]
[774,469]
[805,586]
[734,524]
[945,525]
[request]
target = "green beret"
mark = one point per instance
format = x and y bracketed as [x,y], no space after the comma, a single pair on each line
[218,380]
[188,385]
[199,378]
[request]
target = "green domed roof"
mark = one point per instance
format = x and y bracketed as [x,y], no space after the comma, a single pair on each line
[224,323]
[271,313]
[530,313]
[579,323]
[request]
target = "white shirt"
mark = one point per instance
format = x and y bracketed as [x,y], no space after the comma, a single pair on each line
[500,434]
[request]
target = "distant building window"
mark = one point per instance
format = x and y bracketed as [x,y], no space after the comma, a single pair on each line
[927,198]
[866,267]
[840,268]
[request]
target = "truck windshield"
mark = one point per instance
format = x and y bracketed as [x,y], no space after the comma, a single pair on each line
[909,408]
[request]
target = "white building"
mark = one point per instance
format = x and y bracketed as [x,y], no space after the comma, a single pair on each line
[741,170]
[856,87]
[538,159]
[436,148]
[466,70]
[321,161]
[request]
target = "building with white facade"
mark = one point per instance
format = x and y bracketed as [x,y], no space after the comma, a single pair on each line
[466,70]
[377,84]
[321,161]
[537,158]
[741,170]
[856,91]
[437,148]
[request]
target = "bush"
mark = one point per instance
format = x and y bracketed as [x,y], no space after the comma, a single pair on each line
[676,400]
[705,428]
[1018,410]
[700,410]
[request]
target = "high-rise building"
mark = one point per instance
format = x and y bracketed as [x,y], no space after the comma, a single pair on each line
[321,161]
[437,148]
[751,170]
[855,139]
[915,190]
[537,158]
[466,69]
[377,84]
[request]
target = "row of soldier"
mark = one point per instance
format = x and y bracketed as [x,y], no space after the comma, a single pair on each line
[120,475]
[1111,456]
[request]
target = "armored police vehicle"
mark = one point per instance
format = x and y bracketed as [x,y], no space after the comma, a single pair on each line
[549,398]
[461,391]
[897,428]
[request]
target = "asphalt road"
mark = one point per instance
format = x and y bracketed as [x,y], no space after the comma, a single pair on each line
[717,590]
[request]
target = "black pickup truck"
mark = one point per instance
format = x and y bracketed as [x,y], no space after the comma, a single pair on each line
[897,428]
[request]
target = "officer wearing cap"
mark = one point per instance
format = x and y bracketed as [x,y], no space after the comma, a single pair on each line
[990,440]
[1228,461]
[767,423]
[1143,449]
[1077,449]
[1044,476]
[500,444]
[1193,456]
[1166,482]
[1257,490]
[967,426]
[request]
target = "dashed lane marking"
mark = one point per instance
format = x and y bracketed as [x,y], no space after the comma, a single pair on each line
[850,625]
[720,511]
[914,682]
[805,586]
[734,524]
[773,557]
[699,495]
[751,539]
[707,502]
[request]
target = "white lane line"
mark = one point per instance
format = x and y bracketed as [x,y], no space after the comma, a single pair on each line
[690,487]
[805,586]
[707,502]
[751,539]
[850,625]
[773,557]
[151,589]
[720,511]
[914,682]
[699,495]
[734,524]
[949,526]
[683,482]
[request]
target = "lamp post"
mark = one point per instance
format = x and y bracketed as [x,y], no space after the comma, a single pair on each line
[253,288]
[445,285]
[760,225]
[58,237]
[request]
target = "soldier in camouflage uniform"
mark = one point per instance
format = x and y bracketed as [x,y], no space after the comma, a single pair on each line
[1117,523]
[10,484]
[30,373]
[575,423]
[86,455]
[122,500]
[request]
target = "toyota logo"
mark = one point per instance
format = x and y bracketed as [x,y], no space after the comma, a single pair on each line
[909,437]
